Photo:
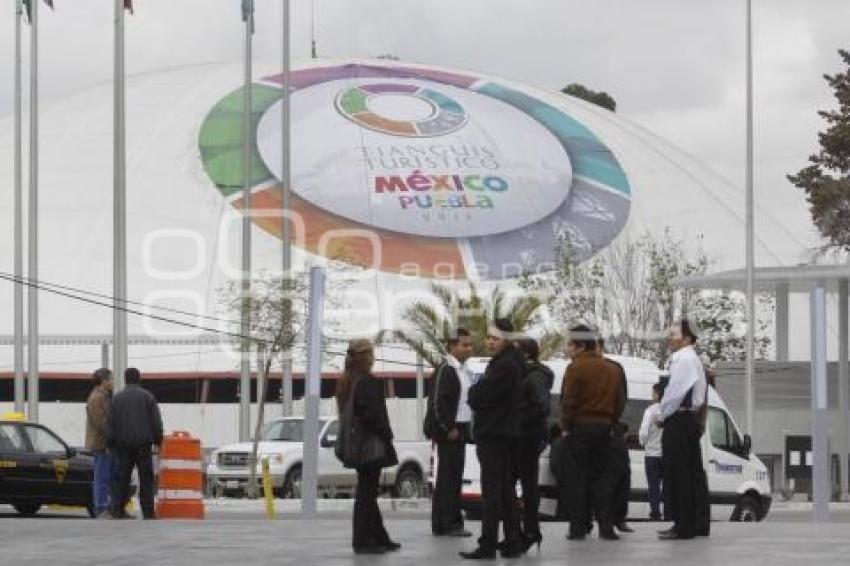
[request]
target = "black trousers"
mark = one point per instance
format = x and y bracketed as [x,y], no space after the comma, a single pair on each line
[368,524]
[445,503]
[654,468]
[685,480]
[590,486]
[620,470]
[527,450]
[498,493]
[127,458]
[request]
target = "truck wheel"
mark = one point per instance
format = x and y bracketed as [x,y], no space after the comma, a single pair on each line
[747,510]
[292,483]
[408,483]
[27,509]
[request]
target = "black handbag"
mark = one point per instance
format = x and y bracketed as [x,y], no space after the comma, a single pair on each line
[357,447]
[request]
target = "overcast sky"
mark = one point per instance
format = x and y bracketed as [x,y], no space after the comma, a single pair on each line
[674,66]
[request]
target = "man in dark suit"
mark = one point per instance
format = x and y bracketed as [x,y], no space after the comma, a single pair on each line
[450,415]
[495,401]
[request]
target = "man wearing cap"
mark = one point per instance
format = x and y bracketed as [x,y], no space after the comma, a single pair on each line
[592,400]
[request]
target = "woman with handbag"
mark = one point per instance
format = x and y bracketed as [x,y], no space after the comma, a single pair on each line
[367,444]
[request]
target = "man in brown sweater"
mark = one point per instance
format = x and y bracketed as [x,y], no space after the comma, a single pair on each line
[592,400]
[97,432]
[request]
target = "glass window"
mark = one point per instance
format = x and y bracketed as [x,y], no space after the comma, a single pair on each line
[284,431]
[11,439]
[333,429]
[45,442]
[722,432]
[632,417]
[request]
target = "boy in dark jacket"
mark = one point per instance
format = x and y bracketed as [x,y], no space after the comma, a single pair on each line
[495,402]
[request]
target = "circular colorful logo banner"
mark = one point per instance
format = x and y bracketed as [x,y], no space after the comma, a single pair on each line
[455,175]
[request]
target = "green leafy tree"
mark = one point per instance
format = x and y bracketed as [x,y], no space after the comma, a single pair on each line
[432,321]
[827,180]
[600,98]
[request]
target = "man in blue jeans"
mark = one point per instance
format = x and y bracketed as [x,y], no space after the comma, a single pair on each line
[97,422]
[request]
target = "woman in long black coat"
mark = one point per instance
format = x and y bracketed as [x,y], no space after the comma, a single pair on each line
[370,412]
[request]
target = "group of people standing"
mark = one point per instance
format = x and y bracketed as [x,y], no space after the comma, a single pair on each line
[506,414]
[122,431]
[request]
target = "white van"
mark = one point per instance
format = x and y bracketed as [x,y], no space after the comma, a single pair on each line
[737,479]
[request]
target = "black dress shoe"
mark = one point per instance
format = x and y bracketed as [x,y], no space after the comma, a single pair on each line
[512,551]
[391,546]
[530,540]
[624,528]
[667,531]
[608,534]
[458,533]
[370,550]
[479,554]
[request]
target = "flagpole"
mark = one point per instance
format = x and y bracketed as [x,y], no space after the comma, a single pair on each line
[750,239]
[245,326]
[119,204]
[32,241]
[19,220]
[312,28]
[285,182]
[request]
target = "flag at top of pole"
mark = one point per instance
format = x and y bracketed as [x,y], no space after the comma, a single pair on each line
[128,5]
[248,12]
[28,7]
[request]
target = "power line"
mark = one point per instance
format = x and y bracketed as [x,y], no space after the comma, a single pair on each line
[35,285]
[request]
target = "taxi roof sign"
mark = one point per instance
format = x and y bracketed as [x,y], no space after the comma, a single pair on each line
[12,416]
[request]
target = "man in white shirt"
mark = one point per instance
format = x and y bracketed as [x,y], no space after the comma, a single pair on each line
[680,413]
[650,438]
[448,421]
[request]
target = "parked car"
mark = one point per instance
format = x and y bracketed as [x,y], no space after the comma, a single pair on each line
[282,443]
[738,481]
[38,468]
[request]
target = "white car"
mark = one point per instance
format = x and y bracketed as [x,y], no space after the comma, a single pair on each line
[738,481]
[283,443]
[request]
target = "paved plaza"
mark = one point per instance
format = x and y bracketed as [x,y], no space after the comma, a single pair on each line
[238,535]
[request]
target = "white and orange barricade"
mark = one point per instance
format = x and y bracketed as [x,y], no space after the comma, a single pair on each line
[181,482]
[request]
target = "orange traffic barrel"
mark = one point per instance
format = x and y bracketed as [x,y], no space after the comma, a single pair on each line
[181,482]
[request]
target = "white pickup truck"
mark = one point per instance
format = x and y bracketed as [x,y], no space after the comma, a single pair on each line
[283,443]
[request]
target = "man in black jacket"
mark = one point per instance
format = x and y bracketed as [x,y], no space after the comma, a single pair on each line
[495,402]
[135,426]
[450,417]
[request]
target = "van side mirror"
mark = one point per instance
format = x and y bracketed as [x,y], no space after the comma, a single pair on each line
[748,445]
[329,441]
[71,452]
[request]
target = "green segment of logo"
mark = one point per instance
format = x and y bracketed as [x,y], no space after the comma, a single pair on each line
[220,139]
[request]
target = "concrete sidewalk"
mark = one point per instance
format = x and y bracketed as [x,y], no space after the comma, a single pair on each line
[326,541]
